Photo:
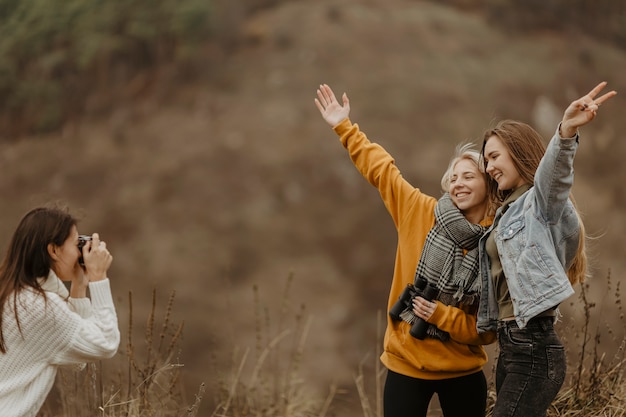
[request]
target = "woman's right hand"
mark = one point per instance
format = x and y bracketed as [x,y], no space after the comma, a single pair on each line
[329,107]
[582,111]
[97,259]
[423,308]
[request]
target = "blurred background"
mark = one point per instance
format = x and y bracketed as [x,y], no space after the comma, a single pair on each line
[185,133]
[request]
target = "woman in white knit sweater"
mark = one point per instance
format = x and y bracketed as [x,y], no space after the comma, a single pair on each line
[43,325]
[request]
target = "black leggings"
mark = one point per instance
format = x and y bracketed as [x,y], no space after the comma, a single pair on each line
[464,396]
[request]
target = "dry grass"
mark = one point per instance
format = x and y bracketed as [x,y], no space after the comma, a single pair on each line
[268,382]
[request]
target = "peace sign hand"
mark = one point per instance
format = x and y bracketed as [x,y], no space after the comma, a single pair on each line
[582,111]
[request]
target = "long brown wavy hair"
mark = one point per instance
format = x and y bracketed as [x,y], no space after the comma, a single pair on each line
[526,149]
[27,256]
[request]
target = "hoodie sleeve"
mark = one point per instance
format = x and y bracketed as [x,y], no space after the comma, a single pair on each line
[378,167]
[460,325]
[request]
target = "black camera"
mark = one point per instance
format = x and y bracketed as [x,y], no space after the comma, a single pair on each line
[82,239]
[423,289]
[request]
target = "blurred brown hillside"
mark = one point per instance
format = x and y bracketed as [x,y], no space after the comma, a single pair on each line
[231,178]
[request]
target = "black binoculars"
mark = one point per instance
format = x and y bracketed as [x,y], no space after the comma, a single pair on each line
[421,288]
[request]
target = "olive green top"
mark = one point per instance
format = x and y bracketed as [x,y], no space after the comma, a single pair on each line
[505,305]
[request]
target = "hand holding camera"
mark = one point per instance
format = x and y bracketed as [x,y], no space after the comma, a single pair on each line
[95,258]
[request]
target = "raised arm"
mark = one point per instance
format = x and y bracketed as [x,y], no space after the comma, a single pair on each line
[555,174]
[374,163]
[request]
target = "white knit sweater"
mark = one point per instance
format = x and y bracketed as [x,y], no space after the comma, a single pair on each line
[59,331]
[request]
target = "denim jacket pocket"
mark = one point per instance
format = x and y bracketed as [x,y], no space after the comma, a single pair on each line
[513,240]
[511,228]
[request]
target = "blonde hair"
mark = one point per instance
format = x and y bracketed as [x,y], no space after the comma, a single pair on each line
[526,148]
[467,151]
[461,152]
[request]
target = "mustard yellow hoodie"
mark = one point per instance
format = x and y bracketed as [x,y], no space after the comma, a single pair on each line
[413,215]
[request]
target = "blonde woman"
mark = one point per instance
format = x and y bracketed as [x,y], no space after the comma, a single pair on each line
[437,241]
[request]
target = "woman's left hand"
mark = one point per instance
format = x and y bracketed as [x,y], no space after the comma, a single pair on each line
[423,308]
[582,111]
[97,259]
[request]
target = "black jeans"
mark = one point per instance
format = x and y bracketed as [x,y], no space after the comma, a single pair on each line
[464,396]
[531,368]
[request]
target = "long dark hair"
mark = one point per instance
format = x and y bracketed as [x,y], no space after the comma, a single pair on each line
[27,257]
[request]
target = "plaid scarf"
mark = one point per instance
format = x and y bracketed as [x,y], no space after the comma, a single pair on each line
[443,264]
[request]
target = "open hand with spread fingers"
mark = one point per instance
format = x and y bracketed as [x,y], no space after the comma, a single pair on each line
[329,107]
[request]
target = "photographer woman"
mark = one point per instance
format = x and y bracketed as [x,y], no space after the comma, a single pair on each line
[42,325]
[444,234]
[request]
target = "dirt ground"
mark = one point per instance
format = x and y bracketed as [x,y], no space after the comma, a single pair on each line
[236,182]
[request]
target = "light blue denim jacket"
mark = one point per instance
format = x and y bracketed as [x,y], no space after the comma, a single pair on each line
[537,239]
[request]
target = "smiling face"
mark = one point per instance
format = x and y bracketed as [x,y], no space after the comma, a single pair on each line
[500,166]
[468,190]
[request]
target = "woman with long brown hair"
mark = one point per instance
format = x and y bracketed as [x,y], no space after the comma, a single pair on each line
[532,254]
[42,324]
